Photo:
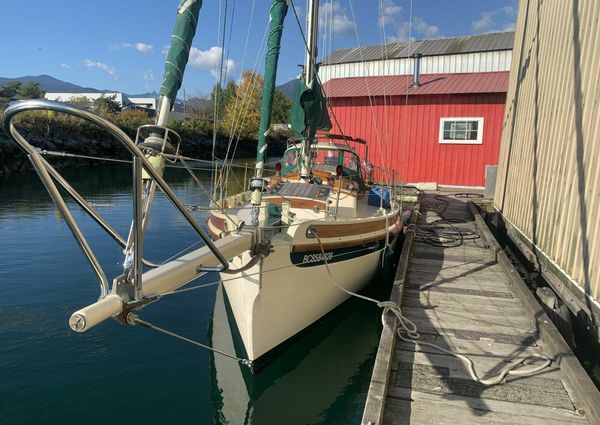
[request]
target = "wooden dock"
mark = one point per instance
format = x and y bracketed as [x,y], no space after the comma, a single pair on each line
[469,299]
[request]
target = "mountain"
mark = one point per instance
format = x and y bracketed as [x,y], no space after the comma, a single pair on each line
[51,84]
[147,94]
[289,88]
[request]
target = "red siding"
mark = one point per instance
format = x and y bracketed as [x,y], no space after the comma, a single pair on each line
[399,85]
[403,134]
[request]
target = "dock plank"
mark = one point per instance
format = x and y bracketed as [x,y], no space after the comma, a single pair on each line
[413,407]
[462,299]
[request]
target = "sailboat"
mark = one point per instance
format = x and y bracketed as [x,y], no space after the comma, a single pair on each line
[317,216]
[289,250]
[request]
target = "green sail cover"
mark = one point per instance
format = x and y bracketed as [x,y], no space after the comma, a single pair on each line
[276,16]
[181,43]
[309,110]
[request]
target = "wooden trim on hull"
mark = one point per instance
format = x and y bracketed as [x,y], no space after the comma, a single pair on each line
[325,231]
[296,202]
[355,243]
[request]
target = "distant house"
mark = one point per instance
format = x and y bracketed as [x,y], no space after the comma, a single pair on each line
[432,111]
[121,98]
[144,103]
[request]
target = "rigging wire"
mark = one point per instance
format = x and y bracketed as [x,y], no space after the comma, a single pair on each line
[218,86]
[216,184]
[137,320]
[405,115]
[242,112]
[366,79]
[328,104]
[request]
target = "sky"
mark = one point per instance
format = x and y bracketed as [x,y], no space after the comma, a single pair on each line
[121,44]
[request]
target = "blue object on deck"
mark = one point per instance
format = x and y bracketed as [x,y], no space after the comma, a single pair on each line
[375,195]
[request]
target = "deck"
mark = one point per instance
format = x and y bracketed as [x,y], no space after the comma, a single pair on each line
[463,298]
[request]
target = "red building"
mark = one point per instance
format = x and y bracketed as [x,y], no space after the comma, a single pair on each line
[404,126]
[446,130]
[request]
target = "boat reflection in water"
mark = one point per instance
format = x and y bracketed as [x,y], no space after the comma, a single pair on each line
[321,376]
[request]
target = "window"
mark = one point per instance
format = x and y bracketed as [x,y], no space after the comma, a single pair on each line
[351,161]
[461,130]
[325,157]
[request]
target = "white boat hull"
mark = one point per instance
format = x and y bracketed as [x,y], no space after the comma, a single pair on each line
[274,300]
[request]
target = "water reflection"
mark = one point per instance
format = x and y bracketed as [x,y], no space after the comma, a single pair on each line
[52,375]
[322,377]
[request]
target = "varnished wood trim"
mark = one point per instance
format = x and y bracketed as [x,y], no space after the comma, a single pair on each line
[353,229]
[296,202]
[343,244]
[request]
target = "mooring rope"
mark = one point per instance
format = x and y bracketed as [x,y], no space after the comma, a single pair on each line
[410,328]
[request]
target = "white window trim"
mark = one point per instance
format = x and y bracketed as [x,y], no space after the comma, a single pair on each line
[479,140]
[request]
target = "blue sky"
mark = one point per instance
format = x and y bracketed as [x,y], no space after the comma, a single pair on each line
[120,45]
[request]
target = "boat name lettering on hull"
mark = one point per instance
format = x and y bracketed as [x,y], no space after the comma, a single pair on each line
[317,258]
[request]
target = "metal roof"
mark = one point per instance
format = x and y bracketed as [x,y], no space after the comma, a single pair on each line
[437,47]
[431,84]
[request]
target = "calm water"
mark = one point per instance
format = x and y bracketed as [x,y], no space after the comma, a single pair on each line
[115,374]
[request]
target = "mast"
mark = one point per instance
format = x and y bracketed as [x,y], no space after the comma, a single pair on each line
[257,184]
[310,70]
[177,58]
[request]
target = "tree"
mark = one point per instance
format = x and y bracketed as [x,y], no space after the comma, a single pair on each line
[15,90]
[11,90]
[107,105]
[225,97]
[81,102]
[31,90]
[242,113]
[281,108]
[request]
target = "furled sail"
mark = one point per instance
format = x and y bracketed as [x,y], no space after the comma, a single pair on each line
[276,17]
[181,43]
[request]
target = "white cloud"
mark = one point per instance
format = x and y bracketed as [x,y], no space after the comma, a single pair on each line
[390,13]
[392,18]
[332,13]
[148,74]
[65,65]
[108,69]
[210,60]
[487,20]
[425,29]
[140,47]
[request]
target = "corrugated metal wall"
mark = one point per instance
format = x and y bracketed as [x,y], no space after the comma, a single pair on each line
[405,137]
[549,172]
[470,62]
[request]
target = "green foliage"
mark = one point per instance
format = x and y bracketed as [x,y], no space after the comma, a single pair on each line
[11,90]
[107,106]
[281,108]
[193,128]
[31,90]
[242,113]
[81,102]
[15,90]
[130,120]
[226,96]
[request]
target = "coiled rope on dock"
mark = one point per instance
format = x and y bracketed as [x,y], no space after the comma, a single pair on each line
[407,331]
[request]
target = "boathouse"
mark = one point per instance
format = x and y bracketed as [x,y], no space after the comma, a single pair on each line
[432,110]
[548,191]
